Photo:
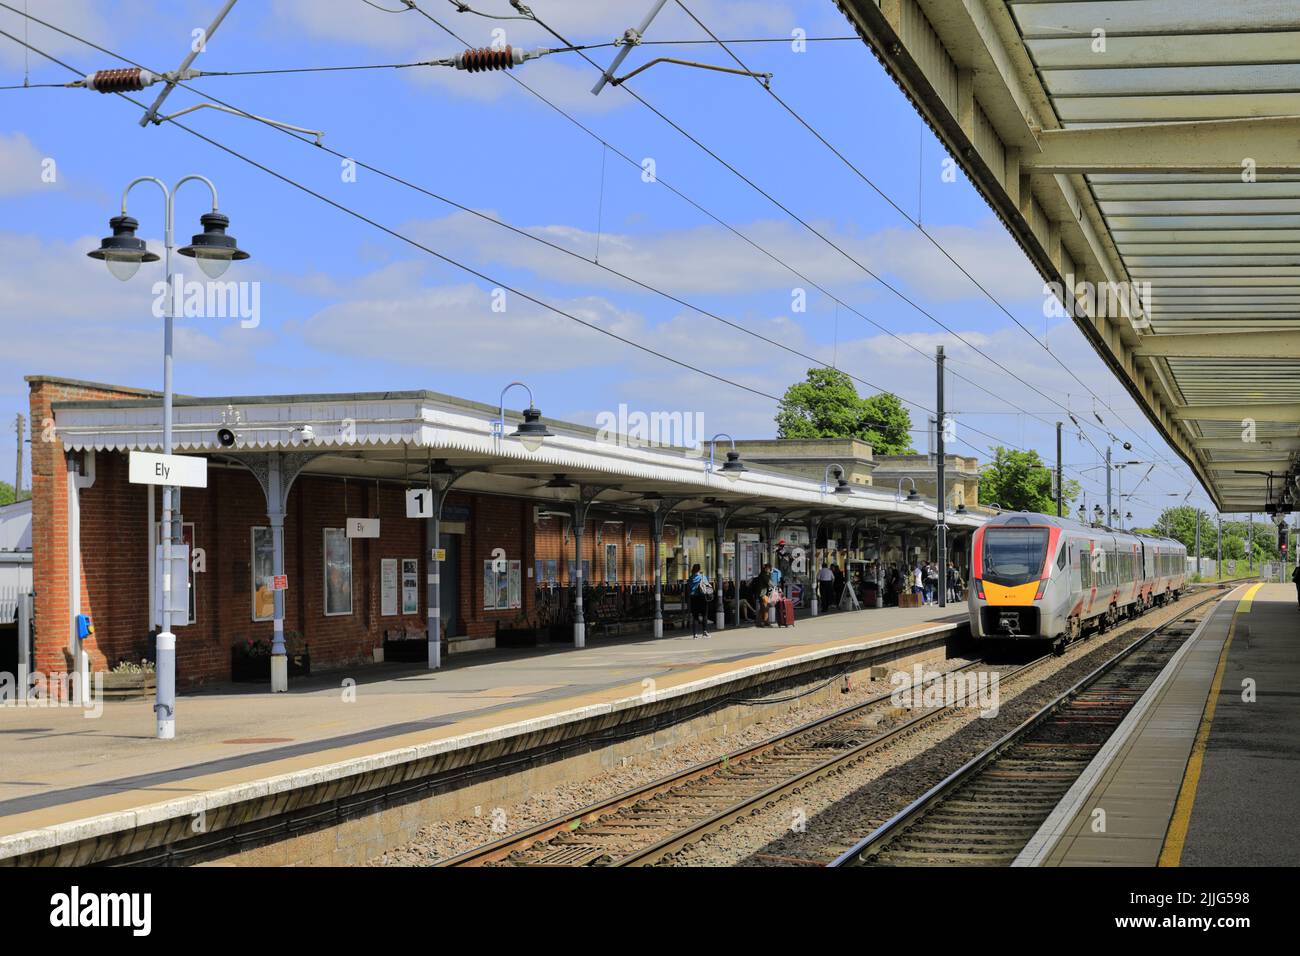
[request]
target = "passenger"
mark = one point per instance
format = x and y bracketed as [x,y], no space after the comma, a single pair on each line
[1295,577]
[931,582]
[762,584]
[918,583]
[825,585]
[700,591]
[838,577]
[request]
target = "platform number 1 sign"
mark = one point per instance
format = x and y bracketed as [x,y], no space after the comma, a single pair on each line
[419,503]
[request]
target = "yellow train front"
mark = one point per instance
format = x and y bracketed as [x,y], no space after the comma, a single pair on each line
[1036,577]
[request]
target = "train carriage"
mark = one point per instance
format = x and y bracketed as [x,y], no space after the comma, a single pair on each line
[1040,578]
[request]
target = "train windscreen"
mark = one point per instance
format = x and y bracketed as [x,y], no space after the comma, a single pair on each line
[1014,555]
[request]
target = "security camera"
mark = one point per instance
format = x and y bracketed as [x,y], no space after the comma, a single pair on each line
[307,433]
[225,437]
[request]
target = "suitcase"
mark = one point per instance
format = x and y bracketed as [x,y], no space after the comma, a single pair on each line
[785,613]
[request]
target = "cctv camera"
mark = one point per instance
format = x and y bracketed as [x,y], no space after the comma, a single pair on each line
[225,437]
[307,433]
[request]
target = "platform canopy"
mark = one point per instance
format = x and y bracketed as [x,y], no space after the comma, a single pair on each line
[418,436]
[1151,147]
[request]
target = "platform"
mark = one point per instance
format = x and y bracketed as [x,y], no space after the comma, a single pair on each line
[1198,774]
[70,781]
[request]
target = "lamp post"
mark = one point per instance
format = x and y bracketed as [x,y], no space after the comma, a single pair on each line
[911,495]
[733,467]
[843,491]
[123,253]
[530,432]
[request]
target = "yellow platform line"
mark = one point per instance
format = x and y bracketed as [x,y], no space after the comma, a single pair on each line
[1171,854]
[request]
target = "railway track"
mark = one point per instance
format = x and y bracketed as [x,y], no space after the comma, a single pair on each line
[987,811]
[645,824]
[648,825]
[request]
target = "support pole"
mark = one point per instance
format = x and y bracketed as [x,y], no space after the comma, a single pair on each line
[18,460]
[275,512]
[720,609]
[1218,565]
[1108,471]
[814,568]
[941,525]
[579,622]
[656,537]
[1060,485]
[433,583]
[1198,542]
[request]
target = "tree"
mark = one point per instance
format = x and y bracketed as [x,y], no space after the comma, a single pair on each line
[826,405]
[1020,481]
[7,494]
[1179,523]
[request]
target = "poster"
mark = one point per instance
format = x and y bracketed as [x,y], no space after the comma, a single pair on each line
[263,596]
[338,572]
[410,586]
[388,586]
[514,589]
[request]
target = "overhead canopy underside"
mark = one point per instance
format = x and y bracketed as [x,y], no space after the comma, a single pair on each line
[1153,143]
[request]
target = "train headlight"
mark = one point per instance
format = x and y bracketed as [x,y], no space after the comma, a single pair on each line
[979,588]
[1042,586]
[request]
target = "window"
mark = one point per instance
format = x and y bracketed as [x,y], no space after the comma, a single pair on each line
[338,572]
[1014,555]
[1061,558]
[262,564]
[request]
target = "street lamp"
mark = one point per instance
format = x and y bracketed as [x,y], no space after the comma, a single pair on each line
[212,248]
[733,467]
[911,495]
[1098,515]
[842,490]
[531,432]
[123,252]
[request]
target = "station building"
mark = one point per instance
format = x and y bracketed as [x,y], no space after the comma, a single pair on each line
[516,529]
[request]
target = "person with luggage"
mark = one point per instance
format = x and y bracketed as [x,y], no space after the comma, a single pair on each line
[701,592]
[762,584]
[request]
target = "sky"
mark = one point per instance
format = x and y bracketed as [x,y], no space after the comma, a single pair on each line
[483,265]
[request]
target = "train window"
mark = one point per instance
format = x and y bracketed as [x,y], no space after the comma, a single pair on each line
[1014,555]
[1060,558]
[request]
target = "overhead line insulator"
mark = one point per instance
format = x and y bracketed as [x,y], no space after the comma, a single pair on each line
[127,80]
[486,58]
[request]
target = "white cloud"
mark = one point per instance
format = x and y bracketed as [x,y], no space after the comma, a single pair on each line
[21,166]
[65,315]
[77,16]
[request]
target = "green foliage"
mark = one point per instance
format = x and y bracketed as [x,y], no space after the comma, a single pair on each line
[7,494]
[1020,481]
[1180,523]
[827,405]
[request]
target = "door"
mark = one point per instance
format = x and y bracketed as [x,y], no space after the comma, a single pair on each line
[449,584]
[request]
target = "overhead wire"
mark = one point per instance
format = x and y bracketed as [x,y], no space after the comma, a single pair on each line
[454,262]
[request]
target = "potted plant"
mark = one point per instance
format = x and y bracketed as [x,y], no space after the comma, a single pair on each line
[523,631]
[250,661]
[127,679]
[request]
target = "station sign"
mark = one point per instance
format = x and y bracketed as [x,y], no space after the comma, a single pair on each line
[363,528]
[419,503]
[177,471]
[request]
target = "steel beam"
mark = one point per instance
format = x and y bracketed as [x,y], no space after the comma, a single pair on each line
[1202,146]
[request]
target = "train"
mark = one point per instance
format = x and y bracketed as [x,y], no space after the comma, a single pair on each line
[1036,577]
